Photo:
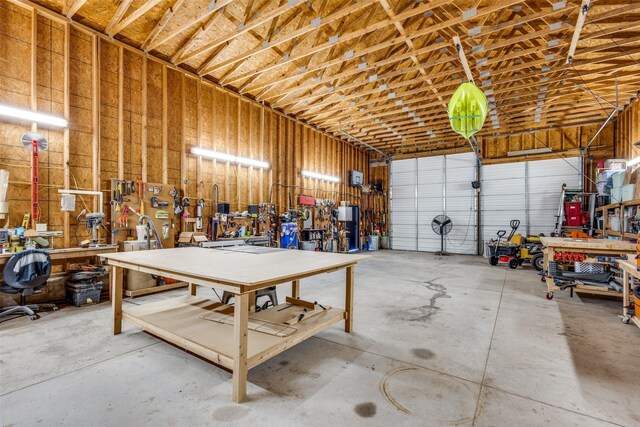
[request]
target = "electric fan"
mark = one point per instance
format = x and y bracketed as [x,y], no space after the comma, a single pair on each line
[441,225]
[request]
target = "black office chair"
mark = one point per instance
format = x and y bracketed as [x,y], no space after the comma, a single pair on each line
[24,274]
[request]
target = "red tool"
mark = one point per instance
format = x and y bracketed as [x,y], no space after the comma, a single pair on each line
[35,143]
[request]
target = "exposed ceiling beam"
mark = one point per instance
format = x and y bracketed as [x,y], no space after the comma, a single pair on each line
[144,8]
[117,17]
[158,41]
[71,7]
[582,15]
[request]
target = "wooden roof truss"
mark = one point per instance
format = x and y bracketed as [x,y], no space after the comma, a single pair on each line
[383,70]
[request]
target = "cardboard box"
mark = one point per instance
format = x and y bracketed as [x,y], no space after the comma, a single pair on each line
[192,237]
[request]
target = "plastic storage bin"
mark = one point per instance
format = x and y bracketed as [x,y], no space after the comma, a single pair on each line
[627,192]
[617,179]
[616,195]
[80,294]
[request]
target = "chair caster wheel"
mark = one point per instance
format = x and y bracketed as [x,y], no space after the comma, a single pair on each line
[34,317]
[549,295]
[625,320]
[55,308]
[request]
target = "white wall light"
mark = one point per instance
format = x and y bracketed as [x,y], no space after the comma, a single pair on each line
[228,158]
[316,175]
[32,116]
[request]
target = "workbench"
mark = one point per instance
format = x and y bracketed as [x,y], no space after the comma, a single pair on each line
[183,322]
[629,268]
[589,247]
[69,253]
[55,290]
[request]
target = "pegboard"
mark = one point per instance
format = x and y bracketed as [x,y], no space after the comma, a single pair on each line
[126,198]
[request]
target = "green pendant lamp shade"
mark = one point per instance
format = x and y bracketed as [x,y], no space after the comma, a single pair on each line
[467,109]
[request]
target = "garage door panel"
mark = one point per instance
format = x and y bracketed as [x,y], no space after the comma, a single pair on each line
[406,165]
[405,231]
[402,244]
[550,184]
[404,205]
[428,245]
[430,205]
[404,218]
[554,167]
[503,172]
[404,178]
[506,186]
[544,201]
[404,192]
[456,204]
[500,202]
[430,191]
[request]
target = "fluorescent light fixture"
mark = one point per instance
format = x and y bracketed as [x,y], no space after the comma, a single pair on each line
[317,175]
[633,162]
[32,116]
[229,158]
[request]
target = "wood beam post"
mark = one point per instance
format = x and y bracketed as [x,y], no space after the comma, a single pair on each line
[65,133]
[165,129]
[145,112]
[95,119]
[121,113]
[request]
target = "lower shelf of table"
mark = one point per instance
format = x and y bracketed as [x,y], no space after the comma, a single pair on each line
[179,321]
[584,289]
[154,289]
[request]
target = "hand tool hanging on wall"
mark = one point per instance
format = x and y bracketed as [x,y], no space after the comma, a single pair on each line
[35,143]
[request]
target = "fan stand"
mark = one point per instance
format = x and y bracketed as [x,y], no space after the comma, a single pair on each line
[442,252]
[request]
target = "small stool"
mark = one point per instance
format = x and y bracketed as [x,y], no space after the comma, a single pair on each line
[267,292]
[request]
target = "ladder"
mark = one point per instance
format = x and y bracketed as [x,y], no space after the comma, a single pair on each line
[566,192]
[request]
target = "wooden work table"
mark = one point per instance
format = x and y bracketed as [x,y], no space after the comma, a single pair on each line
[236,345]
[629,268]
[589,247]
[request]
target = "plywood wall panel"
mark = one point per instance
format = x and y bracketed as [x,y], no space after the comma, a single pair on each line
[628,132]
[197,114]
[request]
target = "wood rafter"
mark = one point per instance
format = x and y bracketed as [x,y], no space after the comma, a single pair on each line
[71,7]
[115,20]
[144,8]
[383,70]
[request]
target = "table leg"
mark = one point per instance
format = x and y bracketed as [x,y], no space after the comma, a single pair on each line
[192,289]
[240,326]
[348,305]
[252,302]
[116,298]
[625,293]
[295,289]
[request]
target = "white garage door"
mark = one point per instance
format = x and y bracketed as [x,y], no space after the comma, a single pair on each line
[426,187]
[527,191]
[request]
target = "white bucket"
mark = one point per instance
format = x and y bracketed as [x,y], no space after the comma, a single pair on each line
[308,246]
[374,242]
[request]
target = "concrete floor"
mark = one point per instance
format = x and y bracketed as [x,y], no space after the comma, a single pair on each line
[437,341]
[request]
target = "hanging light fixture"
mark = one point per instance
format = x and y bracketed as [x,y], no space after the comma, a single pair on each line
[467,109]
